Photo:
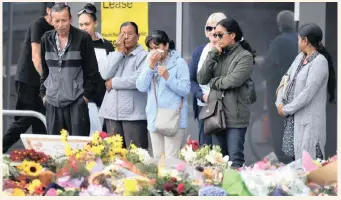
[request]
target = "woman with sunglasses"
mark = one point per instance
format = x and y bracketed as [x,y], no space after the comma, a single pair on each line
[227,70]
[200,92]
[303,102]
[87,21]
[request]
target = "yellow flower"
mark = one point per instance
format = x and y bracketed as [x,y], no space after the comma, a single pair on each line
[95,139]
[68,150]
[90,165]
[33,169]
[117,138]
[124,152]
[133,146]
[33,185]
[96,150]
[18,192]
[64,135]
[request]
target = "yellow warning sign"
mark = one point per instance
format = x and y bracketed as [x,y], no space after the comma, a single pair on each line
[114,14]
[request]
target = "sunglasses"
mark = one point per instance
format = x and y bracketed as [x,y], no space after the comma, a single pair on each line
[220,35]
[209,28]
[85,11]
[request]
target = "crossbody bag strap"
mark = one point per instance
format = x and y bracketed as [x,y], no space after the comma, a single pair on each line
[154,86]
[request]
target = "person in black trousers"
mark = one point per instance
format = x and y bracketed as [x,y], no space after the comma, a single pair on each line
[27,81]
[70,75]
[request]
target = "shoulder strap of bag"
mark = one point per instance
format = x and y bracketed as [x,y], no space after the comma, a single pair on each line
[154,86]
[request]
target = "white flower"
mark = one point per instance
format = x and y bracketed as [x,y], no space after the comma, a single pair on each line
[188,154]
[214,157]
[5,170]
[226,160]
[144,156]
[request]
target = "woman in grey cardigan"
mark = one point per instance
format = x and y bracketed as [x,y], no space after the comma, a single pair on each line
[302,101]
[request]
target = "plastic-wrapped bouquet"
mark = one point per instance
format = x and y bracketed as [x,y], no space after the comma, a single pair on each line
[284,181]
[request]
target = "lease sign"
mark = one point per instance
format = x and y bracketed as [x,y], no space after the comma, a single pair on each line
[114,14]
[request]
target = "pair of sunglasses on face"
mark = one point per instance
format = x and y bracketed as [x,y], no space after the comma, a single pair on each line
[220,35]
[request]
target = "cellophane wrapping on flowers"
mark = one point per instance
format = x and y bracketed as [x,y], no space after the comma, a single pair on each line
[284,181]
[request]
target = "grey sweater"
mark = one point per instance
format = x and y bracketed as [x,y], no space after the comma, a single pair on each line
[124,101]
[309,105]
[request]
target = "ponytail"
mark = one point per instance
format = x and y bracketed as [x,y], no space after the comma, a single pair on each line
[247,47]
[332,79]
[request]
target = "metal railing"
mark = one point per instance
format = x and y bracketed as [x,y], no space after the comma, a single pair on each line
[26,113]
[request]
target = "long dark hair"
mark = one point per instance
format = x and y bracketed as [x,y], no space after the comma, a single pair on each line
[232,26]
[314,35]
[160,37]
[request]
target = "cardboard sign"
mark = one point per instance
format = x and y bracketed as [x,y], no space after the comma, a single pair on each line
[52,144]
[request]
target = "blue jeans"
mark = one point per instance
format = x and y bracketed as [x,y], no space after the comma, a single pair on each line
[231,142]
[203,139]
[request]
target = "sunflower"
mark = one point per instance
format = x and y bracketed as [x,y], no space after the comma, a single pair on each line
[18,192]
[33,169]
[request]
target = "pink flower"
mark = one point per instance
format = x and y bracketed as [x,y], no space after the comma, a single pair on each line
[181,188]
[181,167]
[51,192]
[103,135]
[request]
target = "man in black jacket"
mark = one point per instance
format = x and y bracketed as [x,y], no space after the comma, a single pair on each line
[70,75]
[27,81]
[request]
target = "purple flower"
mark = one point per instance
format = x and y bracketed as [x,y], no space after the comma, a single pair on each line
[212,191]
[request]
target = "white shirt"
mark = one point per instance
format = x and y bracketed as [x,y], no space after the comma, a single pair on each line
[205,88]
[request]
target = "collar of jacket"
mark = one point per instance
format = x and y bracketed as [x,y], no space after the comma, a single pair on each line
[229,49]
[72,29]
[136,50]
[99,36]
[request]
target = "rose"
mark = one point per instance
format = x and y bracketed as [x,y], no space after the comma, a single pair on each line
[181,188]
[173,179]
[103,135]
[168,187]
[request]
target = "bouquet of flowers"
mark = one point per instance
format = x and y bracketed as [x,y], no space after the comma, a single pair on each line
[102,146]
[203,156]
[141,159]
[284,181]
[29,155]
[168,186]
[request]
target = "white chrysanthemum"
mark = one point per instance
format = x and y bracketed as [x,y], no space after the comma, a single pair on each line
[144,156]
[188,154]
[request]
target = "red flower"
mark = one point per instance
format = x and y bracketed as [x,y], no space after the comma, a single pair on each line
[181,188]
[194,143]
[168,187]
[103,135]
[173,179]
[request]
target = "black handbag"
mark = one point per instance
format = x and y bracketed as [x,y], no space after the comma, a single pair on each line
[214,118]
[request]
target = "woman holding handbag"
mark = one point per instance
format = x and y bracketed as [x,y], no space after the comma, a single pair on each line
[303,102]
[165,76]
[227,70]
[200,92]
